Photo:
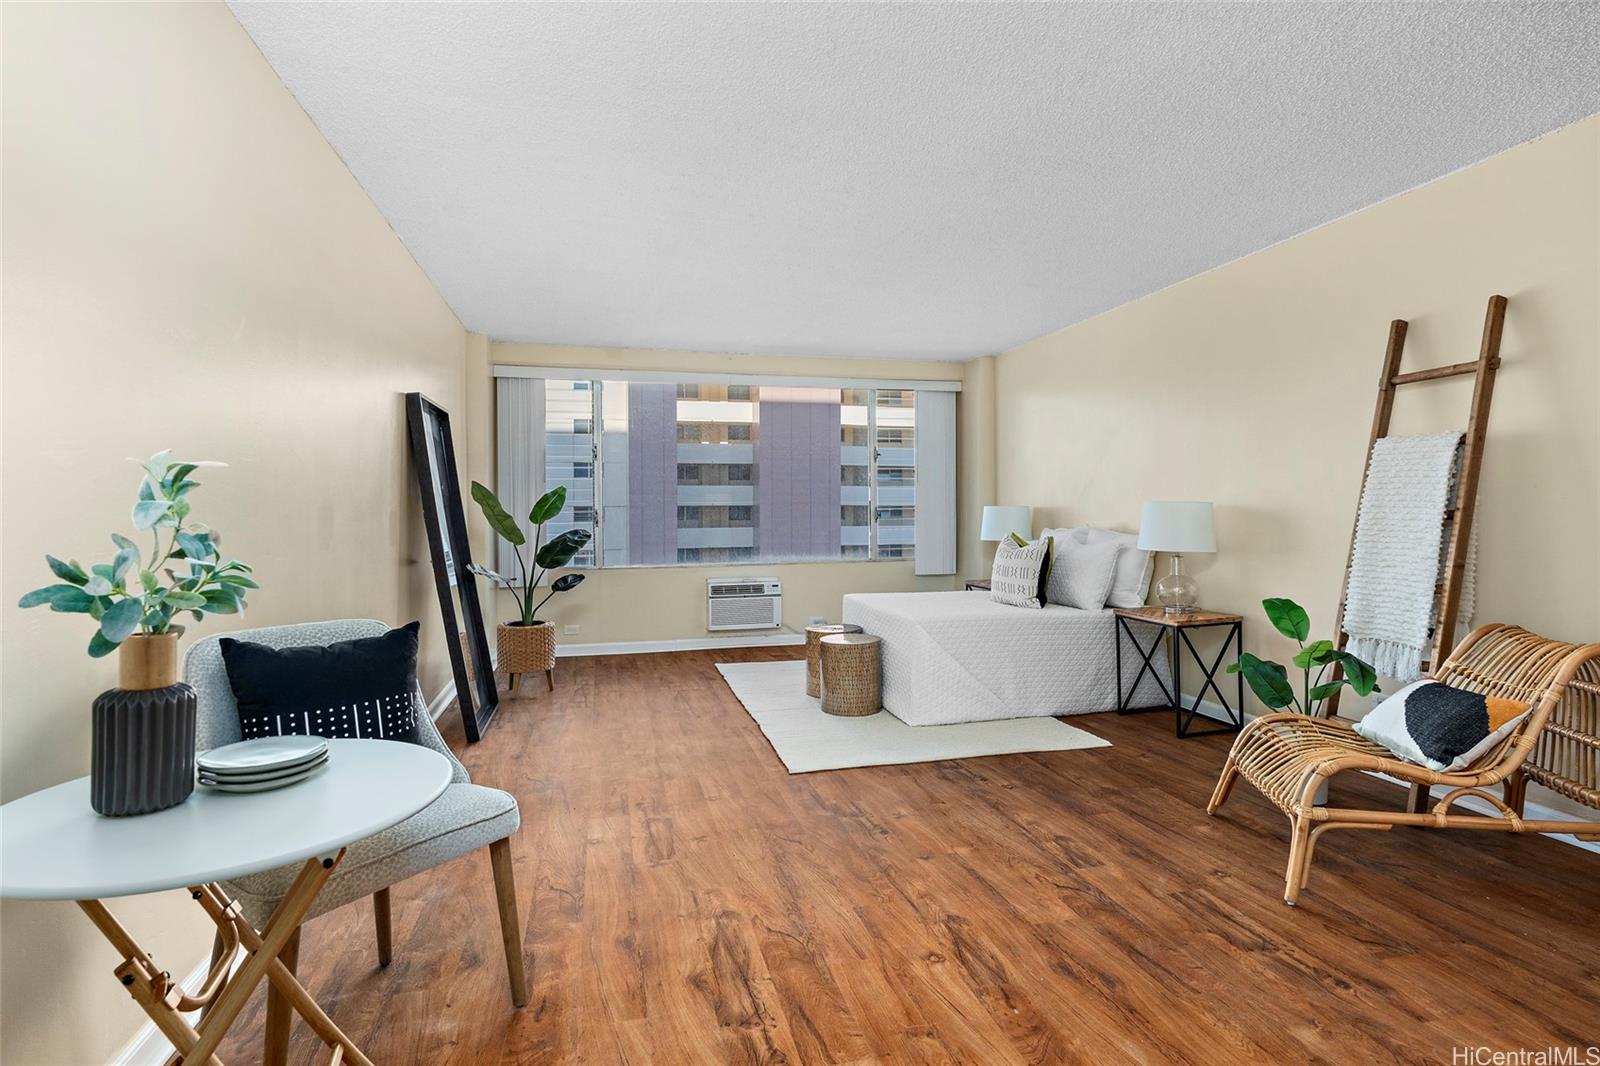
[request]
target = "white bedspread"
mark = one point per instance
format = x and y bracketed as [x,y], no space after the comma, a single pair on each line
[961,657]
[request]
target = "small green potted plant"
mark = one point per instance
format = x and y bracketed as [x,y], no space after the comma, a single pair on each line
[528,645]
[144,729]
[1270,680]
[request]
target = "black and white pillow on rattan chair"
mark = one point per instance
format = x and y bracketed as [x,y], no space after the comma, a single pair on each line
[1439,726]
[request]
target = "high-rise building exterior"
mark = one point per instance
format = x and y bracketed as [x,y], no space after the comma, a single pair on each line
[694,473]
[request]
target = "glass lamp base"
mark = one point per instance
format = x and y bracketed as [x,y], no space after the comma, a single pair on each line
[1177,592]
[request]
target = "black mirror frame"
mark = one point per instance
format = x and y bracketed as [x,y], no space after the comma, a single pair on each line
[478,702]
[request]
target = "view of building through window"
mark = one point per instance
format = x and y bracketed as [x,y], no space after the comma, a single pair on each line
[702,473]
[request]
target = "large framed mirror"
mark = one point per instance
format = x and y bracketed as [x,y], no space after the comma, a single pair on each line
[433,456]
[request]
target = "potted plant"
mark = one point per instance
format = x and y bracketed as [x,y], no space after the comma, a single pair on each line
[144,729]
[528,645]
[1270,680]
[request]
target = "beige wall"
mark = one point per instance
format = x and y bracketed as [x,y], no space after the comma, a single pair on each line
[1253,386]
[187,265]
[668,602]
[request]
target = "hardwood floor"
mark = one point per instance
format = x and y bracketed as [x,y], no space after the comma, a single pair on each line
[685,900]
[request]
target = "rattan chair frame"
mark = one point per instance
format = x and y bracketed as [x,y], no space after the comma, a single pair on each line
[1288,757]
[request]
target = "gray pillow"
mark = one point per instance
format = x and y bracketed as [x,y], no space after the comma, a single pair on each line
[1015,577]
[1082,574]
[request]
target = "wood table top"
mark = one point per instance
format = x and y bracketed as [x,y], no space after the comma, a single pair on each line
[1161,617]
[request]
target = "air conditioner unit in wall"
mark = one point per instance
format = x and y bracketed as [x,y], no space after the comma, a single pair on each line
[743,603]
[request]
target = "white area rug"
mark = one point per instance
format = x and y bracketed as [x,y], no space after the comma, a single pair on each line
[808,739]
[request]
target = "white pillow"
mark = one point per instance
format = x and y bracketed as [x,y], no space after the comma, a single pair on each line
[1082,574]
[1132,585]
[1015,577]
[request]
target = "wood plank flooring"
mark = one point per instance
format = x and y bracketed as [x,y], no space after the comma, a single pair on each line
[685,900]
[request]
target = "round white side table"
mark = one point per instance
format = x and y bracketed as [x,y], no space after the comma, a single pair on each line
[53,846]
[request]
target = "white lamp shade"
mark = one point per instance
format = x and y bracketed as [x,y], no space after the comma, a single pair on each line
[1177,526]
[1000,522]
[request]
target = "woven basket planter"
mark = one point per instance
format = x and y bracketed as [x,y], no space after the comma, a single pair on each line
[527,650]
[852,682]
[814,635]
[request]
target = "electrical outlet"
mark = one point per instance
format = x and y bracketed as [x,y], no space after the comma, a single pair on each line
[569,631]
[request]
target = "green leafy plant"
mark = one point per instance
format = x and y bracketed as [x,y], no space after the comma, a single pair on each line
[548,555]
[128,594]
[1270,680]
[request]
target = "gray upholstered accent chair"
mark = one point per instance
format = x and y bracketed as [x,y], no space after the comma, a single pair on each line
[464,818]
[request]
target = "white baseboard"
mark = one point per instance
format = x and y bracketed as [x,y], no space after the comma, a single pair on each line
[776,638]
[148,1047]
[437,705]
[1532,809]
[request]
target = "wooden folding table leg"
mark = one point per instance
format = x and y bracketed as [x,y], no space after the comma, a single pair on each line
[275,1048]
[289,986]
[281,928]
[147,987]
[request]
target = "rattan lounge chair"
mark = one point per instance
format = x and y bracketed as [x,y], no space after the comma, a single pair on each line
[1288,756]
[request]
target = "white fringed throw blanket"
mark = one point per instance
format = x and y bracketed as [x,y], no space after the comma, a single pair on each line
[1399,553]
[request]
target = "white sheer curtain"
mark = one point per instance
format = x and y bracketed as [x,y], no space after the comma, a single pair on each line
[519,456]
[936,482]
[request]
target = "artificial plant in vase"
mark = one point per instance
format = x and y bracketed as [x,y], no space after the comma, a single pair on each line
[1270,680]
[144,729]
[528,644]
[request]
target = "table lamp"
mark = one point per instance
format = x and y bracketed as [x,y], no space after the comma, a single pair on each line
[1000,522]
[1177,526]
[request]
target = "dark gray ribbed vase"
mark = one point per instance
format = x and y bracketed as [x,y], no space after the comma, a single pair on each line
[142,759]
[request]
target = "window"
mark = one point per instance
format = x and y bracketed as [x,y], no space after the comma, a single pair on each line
[666,473]
[569,457]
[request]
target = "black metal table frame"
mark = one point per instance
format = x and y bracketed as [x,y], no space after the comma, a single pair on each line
[1174,634]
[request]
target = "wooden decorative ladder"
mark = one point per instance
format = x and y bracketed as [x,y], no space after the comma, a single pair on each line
[1458,518]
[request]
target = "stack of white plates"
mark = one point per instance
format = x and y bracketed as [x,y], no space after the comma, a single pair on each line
[262,765]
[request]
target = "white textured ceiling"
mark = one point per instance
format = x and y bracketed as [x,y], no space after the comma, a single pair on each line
[921,181]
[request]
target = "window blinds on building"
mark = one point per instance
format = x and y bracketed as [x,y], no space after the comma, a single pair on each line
[936,482]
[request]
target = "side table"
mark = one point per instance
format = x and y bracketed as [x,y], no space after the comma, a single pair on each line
[814,635]
[981,584]
[1175,627]
[852,674]
[53,846]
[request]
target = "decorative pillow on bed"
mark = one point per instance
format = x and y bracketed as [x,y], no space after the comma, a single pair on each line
[1439,726]
[1017,573]
[1132,585]
[1083,574]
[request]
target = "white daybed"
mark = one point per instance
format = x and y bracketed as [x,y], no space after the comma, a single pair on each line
[961,657]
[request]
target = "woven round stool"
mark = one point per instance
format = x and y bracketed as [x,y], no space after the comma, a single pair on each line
[814,635]
[851,674]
